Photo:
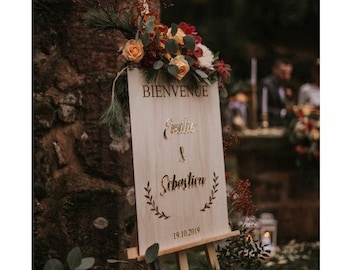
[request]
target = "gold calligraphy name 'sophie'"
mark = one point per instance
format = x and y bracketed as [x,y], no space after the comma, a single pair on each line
[172,184]
[184,127]
[174,90]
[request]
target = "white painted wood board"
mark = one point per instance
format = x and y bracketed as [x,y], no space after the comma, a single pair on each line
[176,135]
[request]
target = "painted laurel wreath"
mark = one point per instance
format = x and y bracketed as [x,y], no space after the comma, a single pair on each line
[212,195]
[161,214]
[152,202]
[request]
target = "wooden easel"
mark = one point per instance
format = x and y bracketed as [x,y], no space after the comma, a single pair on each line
[180,251]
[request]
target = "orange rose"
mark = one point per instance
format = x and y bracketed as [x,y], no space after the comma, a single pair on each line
[133,50]
[178,36]
[314,134]
[182,64]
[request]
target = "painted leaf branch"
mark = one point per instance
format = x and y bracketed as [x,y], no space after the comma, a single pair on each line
[151,201]
[212,194]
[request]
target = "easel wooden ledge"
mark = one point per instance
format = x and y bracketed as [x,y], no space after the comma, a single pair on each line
[182,260]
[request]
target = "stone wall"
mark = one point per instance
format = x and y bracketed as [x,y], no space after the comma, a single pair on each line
[80,172]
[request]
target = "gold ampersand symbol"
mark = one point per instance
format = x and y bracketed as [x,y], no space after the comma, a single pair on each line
[181,152]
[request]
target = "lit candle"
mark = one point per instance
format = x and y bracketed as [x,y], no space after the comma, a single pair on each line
[266,239]
[264,100]
[253,72]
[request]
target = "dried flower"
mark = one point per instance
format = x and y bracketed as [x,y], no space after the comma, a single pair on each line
[240,199]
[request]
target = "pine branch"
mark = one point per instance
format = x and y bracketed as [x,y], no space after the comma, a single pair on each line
[114,118]
[115,115]
[102,19]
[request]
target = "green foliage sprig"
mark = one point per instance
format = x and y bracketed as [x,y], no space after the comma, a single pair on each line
[151,258]
[74,260]
[242,251]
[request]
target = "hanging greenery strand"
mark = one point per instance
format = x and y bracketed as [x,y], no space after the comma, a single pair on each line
[115,115]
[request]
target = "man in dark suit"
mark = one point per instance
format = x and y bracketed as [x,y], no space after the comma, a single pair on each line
[273,95]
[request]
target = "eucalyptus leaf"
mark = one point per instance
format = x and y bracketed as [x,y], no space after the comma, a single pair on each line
[139,22]
[190,60]
[116,261]
[224,94]
[173,70]
[86,263]
[207,81]
[145,39]
[174,29]
[53,264]
[171,46]
[189,42]
[74,258]
[202,74]
[157,264]
[151,254]
[150,25]
[137,36]
[158,65]
[157,37]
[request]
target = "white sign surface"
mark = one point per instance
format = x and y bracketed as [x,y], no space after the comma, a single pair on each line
[178,163]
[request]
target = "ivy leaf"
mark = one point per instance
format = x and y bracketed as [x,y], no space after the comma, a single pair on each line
[174,29]
[151,253]
[53,264]
[74,258]
[189,42]
[158,65]
[171,46]
[86,263]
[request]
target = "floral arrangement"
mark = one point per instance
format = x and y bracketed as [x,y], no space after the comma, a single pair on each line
[170,54]
[305,130]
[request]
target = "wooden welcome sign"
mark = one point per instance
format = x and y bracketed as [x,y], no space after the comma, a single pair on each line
[178,164]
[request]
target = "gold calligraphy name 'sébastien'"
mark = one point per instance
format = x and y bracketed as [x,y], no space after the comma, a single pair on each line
[172,184]
[174,90]
[184,127]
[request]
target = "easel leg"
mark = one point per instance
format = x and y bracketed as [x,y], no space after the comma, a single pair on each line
[212,256]
[182,260]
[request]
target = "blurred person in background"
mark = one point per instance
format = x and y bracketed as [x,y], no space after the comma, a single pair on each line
[309,93]
[275,99]
[235,113]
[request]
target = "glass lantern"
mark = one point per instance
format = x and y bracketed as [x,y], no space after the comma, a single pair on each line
[267,232]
